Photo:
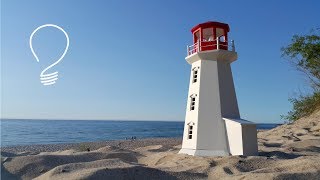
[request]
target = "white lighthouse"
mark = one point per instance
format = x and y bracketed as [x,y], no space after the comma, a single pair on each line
[213,126]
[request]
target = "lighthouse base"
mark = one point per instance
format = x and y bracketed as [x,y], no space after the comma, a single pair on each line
[201,152]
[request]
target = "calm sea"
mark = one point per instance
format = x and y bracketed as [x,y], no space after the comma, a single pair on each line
[25,132]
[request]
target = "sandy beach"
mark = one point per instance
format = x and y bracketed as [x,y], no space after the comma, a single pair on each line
[290,151]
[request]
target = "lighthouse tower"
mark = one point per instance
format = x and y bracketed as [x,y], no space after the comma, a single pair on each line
[213,126]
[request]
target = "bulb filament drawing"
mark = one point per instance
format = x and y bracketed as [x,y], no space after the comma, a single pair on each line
[49,78]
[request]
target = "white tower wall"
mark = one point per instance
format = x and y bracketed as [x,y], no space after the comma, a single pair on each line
[229,104]
[192,116]
[217,129]
[211,135]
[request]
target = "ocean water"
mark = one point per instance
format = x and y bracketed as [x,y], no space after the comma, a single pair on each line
[25,132]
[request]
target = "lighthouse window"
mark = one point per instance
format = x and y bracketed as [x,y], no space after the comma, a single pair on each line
[195,73]
[190,132]
[193,103]
[207,34]
[222,38]
[195,76]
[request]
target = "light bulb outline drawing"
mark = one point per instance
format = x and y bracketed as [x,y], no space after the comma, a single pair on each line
[49,79]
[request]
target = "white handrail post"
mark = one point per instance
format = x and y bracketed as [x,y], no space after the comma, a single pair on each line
[198,46]
[217,43]
[233,46]
[188,53]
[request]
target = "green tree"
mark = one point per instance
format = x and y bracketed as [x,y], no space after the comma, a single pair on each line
[304,54]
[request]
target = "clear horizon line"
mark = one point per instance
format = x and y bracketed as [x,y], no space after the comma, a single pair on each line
[87,119]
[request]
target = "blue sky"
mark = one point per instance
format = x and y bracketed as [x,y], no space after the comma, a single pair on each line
[126,58]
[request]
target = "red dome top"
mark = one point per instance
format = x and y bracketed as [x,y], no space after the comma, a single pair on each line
[211,24]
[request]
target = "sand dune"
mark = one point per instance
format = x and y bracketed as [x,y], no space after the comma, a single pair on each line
[290,151]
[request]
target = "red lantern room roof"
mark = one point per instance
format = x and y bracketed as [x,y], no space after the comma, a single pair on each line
[211,24]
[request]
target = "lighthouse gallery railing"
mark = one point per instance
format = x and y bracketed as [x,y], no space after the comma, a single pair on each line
[210,45]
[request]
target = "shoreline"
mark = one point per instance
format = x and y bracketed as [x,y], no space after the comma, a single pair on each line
[121,144]
[94,144]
